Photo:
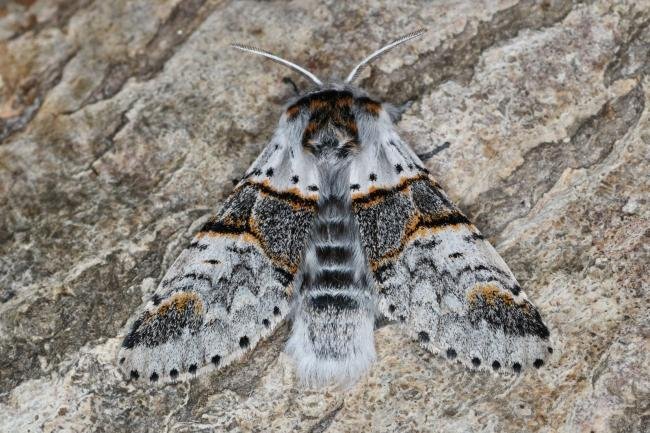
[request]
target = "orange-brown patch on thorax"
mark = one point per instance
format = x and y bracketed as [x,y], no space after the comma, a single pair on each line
[317,104]
[292,112]
[345,101]
[372,107]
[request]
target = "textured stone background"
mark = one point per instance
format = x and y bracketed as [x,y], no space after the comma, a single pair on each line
[122,124]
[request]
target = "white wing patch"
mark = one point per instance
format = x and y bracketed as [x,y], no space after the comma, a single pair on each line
[284,165]
[386,162]
[435,272]
[221,296]
[233,285]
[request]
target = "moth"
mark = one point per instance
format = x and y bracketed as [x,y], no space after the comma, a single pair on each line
[336,224]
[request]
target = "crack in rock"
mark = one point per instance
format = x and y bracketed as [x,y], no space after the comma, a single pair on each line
[543,165]
[110,138]
[44,83]
[633,56]
[325,422]
[184,19]
[457,58]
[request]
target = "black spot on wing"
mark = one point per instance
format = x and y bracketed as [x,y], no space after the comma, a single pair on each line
[515,289]
[383,273]
[473,237]
[152,330]
[189,276]
[478,269]
[133,337]
[197,246]
[513,318]
[283,277]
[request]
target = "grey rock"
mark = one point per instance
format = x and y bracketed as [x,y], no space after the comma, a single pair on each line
[123,123]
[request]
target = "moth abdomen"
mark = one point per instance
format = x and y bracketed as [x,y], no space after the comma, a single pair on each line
[332,336]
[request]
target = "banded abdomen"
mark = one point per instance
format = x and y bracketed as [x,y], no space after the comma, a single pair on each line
[332,336]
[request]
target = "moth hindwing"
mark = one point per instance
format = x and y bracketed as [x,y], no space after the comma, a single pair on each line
[338,222]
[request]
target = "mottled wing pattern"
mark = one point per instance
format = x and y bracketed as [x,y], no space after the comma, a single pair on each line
[435,272]
[232,286]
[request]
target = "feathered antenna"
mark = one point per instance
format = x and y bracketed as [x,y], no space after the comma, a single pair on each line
[280,60]
[357,69]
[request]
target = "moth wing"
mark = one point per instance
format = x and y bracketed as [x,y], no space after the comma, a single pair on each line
[434,271]
[232,286]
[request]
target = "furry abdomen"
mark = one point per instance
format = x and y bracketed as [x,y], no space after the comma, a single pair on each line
[332,339]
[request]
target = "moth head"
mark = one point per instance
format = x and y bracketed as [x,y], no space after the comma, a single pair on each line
[351,76]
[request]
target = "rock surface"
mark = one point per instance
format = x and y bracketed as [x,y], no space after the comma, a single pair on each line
[122,124]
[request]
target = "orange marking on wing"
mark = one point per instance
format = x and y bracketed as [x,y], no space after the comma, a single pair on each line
[282,262]
[419,233]
[404,182]
[309,200]
[179,301]
[490,293]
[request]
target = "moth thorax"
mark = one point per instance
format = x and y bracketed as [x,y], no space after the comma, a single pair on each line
[332,144]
